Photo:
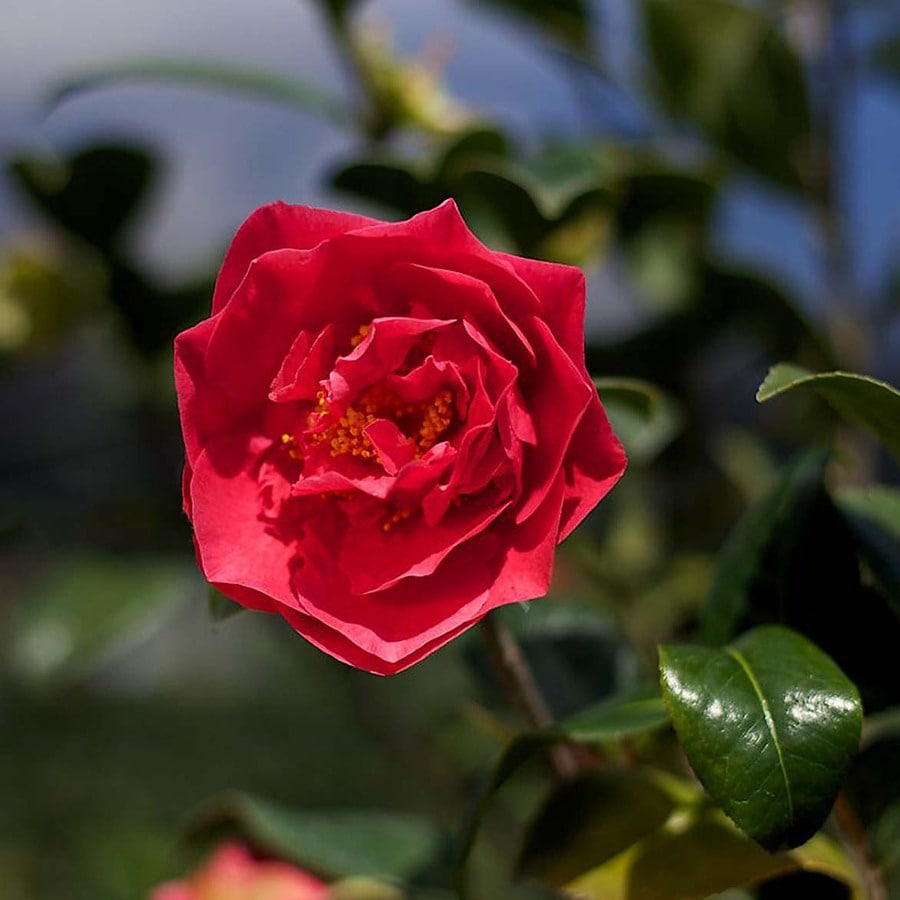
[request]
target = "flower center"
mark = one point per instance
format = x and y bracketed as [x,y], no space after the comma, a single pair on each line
[423,422]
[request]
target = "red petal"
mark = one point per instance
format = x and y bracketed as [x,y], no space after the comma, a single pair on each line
[278,226]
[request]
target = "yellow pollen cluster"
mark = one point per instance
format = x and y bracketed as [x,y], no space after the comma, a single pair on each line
[357,338]
[287,441]
[425,421]
[436,420]
[346,435]
[401,515]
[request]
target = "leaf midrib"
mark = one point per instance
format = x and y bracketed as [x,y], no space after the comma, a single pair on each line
[769,720]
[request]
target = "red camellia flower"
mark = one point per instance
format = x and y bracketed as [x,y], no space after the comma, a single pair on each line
[388,428]
[233,874]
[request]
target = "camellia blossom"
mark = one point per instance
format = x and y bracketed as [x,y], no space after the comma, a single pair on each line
[233,874]
[388,428]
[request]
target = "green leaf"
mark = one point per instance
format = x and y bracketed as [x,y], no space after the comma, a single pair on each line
[644,417]
[874,516]
[221,607]
[724,67]
[615,719]
[612,720]
[332,843]
[220,76]
[590,820]
[708,857]
[94,194]
[90,607]
[769,725]
[860,399]
[567,20]
[744,553]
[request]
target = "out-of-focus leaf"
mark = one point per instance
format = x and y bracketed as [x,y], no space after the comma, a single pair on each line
[221,76]
[724,67]
[740,560]
[577,653]
[874,516]
[94,194]
[332,843]
[616,719]
[361,888]
[220,607]
[410,185]
[707,856]
[590,820]
[769,725]
[885,56]
[90,607]
[568,20]
[612,720]
[645,418]
[865,401]
[724,300]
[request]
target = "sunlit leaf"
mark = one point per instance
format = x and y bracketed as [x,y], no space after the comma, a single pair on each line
[769,725]
[865,401]
[229,77]
[645,418]
[333,843]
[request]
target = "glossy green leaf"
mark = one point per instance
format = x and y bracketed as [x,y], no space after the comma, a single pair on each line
[874,517]
[89,608]
[220,76]
[726,68]
[743,556]
[860,399]
[769,725]
[590,820]
[94,194]
[644,417]
[332,843]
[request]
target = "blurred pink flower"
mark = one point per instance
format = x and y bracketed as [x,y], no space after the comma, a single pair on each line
[233,874]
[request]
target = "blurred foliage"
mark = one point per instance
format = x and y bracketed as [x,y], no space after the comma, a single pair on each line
[130,696]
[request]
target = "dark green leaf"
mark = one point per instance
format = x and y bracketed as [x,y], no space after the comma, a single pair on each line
[589,821]
[220,76]
[568,20]
[608,721]
[616,719]
[220,607]
[643,416]
[860,399]
[724,67]
[332,843]
[874,517]
[743,556]
[94,194]
[769,725]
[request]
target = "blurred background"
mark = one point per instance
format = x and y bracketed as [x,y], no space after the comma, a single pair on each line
[726,174]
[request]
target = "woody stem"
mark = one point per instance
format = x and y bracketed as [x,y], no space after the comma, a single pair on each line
[522,690]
